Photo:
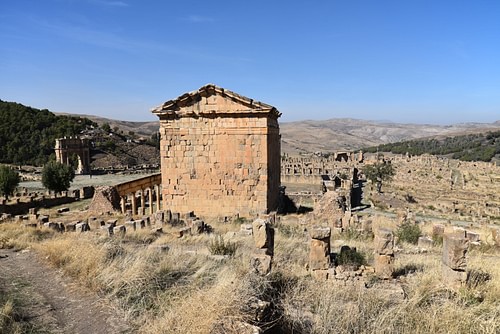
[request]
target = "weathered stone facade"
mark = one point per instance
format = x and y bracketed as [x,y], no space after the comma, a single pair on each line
[66,148]
[220,153]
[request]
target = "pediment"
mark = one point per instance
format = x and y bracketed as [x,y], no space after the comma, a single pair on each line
[211,99]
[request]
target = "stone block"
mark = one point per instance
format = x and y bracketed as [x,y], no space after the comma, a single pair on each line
[261,264]
[495,234]
[455,252]
[246,229]
[319,254]
[263,234]
[197,227]
[321,274]
[43,219]
[82,227]
[141,223]
[159,217]
[472,236]
[185,231]
[119,230]
[147,220]
[425,242]
[70,227]
[131,225]
[438,230]
[176,218]
[453,278]
[52,226]
[384,242]
[112,222]
[384,266]
[320,233]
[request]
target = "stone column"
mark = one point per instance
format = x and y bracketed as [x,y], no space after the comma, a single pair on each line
[134,204]
[157,193]
[122,203]
[150,195]
[384,253]
[263,236]
[143,203]
[319,253]
[455,248]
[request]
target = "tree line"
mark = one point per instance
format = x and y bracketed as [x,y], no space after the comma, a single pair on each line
[27,135]
[472,147]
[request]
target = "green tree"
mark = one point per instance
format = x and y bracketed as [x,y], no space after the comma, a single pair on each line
[381,171]
[57,177]
[9,180]
[105,127]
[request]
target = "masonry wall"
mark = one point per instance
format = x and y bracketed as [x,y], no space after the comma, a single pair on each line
[220,164]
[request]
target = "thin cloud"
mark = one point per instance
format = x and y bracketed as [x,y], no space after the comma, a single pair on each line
[198,19]
[110,3]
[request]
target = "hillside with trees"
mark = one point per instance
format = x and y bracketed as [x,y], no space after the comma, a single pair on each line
[27,135]
[472,147]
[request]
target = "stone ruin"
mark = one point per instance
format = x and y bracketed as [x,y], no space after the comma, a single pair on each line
[455,248]
[319,253]
[106,199]
[220,153]
[384,253]
[67,148]
[263,236]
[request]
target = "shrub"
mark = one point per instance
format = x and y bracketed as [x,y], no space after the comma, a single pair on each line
[218,246]
[350,257]
[408,232]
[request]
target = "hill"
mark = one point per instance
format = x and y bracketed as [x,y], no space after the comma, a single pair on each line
[471,147]
[27,135]
[334,134]
[352,134]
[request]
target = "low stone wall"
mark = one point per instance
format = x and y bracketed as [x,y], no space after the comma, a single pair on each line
[22,208]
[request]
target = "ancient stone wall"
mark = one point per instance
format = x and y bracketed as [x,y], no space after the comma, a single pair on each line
[308,170]
[220,154]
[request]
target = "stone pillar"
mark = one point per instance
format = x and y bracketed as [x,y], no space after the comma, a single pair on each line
[150,196]
[122,203]
[134,204]
[455,248]
[384,253]
[143,203]
[319,253]
[158,194]
[495,234]
[263,236]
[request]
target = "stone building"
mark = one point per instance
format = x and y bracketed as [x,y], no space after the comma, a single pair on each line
[67,149]
[220,153]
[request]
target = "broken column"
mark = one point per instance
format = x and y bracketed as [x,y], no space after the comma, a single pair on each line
[263,236]
[455,248]
[384,253]
[319,253]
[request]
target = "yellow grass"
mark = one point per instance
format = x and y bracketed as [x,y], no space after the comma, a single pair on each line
[186,290]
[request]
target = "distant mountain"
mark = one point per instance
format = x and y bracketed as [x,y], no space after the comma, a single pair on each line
[334,134]
[351,134]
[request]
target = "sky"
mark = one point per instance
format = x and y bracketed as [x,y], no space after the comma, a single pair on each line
[409,61]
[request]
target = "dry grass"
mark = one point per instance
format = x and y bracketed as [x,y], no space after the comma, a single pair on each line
[186,290]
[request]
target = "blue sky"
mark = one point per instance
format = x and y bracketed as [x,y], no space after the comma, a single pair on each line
[412,61]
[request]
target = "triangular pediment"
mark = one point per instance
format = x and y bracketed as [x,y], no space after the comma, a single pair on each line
[211,99]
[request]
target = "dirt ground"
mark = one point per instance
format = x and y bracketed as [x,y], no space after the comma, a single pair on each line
[51,302]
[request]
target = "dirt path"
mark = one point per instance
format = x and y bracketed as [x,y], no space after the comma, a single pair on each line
[52,302]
